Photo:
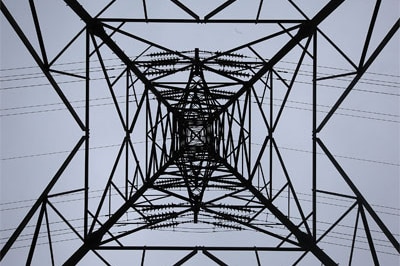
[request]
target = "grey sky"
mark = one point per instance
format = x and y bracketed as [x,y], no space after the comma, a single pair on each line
[37,132]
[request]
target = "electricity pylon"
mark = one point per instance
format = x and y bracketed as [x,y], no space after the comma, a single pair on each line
[200,144]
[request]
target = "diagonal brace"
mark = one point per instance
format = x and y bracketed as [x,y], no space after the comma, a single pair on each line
[41,64]
[360,197]
[305,30]
[306,241]
[96,28]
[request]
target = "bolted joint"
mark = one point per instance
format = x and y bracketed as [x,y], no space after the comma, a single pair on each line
[95,27]
[93,240]
[305,240]
[306,30]
[308,243]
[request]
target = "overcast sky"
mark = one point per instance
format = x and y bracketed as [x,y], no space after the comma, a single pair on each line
[37,131]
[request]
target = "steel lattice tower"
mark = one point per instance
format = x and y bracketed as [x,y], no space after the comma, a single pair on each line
[198,132]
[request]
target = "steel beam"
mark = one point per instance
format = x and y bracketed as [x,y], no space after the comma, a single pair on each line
[41,64]
[219,9]
[209,248]
[306,29]
[42,198]
[187,257]
[209,21]
[361,71]
[360,197]
[96,28]
[214,258]
[306,241]
[93,239]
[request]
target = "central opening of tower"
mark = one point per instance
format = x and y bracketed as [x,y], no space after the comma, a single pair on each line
[196,133]
[196,129]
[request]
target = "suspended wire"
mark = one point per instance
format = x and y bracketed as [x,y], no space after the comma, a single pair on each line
[298,150]
[360,90]
[359,248]
[340,69]
[343,236]
[59,64]
[59,232]
[341,156]
[118,145]
[287,106]
[46,84]
[59,104]
[265,103]
[251,57]
[287,148]
[98,69]
[308,195]
[362,80]
[114,145]
[207,230]
[58,109]
[177,230]
[301,73]
[350,201]
[219,230]
[62,104]
[63,152]
[301,82]
[397,213]
[121,102]
[340,108]
[100,191]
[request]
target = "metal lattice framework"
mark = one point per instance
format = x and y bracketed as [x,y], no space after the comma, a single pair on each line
[199,140]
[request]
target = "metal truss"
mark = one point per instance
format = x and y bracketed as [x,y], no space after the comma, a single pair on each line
[199,141]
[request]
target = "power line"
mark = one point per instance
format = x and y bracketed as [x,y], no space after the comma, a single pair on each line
[251,57]
[301,82]
[214,229]
[342,156]
[77,71]
[281,69]
[265,103]
[182,229]
[308,195]
[333,235]
[59,152]
[118,145]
